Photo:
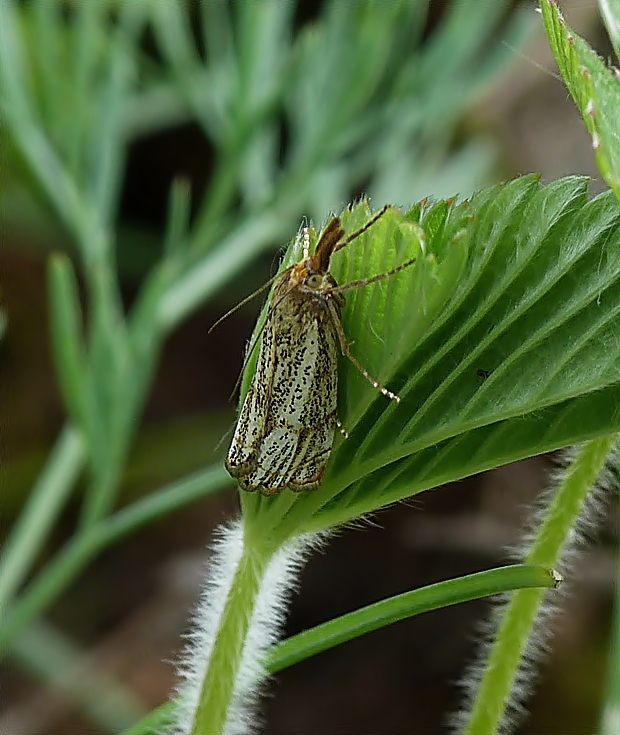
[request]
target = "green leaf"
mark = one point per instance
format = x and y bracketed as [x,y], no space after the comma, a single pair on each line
[86,45]
[501,343]
[378,615]
[154,722]
[45,502]
[264,35]
[70,356]
[173,31]
[594,88]
[177,228]
[107,147]
[111,356]
[20,118]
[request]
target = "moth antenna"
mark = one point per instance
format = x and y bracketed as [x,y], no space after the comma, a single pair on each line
[372,279]
[225,435]
[363,229]
[531,61]
[306,241]
[243,303]
[344,346]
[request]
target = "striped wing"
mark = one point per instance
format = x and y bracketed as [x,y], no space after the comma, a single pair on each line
[286,427]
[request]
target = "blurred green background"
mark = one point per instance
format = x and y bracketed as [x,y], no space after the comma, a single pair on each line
[270,112]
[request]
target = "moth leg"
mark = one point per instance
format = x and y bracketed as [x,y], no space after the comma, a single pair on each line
[344,346]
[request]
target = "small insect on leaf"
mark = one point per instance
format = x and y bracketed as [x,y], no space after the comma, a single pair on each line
[286,427]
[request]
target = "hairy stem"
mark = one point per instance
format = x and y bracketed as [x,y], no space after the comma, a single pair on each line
[222,672]
[239,617]
[518,638]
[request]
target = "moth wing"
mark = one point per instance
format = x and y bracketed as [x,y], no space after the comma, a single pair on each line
[302,411]
[250,430]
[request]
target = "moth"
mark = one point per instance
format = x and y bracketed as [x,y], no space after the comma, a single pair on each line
[285,431]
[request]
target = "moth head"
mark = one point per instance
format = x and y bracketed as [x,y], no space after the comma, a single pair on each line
[311,285]
[316,282]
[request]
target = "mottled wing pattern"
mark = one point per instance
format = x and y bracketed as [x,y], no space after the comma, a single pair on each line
[243,453]
[295,391]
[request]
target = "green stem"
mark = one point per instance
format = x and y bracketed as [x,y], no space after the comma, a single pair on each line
[524,608]
[217,201]
[47,586]
[347,627]
[155,722]
[385,612]
[223,667]
[117,368]
[70,561]
[47,654]
[46,500]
